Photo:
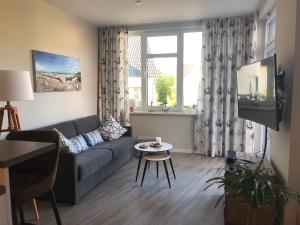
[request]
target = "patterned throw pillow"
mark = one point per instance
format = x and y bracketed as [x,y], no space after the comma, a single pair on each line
[111,129]
[93,138]
[76,144]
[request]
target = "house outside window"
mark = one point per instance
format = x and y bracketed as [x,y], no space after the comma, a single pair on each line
[164,68]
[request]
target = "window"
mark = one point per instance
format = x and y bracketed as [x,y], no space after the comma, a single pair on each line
[191,67]
[164,68]
[270,34]
[135,71]
[161,69]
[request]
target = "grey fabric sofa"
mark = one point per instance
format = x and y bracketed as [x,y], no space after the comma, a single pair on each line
[78,174]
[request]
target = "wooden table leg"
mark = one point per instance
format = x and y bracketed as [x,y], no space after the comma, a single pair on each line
[5,202]
[139,165]
[35,208]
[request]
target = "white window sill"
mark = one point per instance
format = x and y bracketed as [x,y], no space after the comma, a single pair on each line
[163,113]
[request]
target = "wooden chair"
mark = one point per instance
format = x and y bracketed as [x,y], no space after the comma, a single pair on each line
[156,157]
[34,177]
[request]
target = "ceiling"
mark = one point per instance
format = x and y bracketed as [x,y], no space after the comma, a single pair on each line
[127,12]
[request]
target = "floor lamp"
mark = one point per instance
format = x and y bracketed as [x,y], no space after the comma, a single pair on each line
[14,86]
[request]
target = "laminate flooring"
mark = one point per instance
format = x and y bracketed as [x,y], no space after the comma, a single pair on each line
[121,201]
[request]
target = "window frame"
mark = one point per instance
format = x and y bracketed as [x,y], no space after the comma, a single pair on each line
[269,47]
[179,32]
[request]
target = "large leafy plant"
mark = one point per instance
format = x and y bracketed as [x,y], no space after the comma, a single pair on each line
[256,186]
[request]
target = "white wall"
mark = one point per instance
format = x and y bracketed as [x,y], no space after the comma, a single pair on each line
[293,211]
[175,129]
[285,49]
[36,25]
[285,144]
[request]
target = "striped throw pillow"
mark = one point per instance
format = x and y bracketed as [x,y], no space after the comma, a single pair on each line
[92,138]
[76,144]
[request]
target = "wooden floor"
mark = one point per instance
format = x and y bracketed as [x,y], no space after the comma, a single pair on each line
[121,201]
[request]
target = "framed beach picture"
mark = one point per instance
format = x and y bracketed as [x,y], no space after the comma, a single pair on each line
[54,72]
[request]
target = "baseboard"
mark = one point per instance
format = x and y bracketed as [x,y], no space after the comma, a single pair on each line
[182,150]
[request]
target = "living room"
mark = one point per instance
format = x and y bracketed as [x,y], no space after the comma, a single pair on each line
[148,64]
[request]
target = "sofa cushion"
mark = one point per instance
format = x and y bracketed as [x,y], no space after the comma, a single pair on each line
[116,146]
[92,138]
[87,124]
[75,144]
[111,129]
[66,128]
[91,161]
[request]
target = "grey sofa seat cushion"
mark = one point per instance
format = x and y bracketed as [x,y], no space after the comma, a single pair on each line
[66,128]
[87,124]
[116,146]
[91,161]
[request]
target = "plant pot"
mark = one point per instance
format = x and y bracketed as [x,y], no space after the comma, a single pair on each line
[236,213]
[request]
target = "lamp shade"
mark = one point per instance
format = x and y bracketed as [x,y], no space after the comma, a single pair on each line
[15,85]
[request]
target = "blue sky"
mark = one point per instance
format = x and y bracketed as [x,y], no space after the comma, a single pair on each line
[56,63]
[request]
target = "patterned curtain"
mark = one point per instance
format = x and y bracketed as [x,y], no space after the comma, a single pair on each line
[228,43]
[113,74]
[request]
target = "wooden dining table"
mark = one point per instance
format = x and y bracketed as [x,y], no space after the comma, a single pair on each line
[12,153]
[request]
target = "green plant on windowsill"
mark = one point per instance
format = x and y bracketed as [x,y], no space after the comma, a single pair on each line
[256,187]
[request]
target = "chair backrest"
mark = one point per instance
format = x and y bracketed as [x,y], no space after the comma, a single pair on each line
[45,164]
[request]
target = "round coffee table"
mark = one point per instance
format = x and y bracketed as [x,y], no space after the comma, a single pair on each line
[165,147]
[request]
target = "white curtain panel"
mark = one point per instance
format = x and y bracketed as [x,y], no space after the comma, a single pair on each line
[228,43]
[113,74]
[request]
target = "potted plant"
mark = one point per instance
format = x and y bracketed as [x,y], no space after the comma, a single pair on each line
[255,189]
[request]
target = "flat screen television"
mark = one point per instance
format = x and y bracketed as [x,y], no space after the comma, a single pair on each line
[257,92]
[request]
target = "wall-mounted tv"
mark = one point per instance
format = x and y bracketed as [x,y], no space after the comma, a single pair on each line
[257,92]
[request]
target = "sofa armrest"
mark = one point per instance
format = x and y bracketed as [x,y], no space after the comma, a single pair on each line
[129,131]
[65,186]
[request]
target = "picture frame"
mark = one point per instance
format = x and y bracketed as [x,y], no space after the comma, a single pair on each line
[55,73]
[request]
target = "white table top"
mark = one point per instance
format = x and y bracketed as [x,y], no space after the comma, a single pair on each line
[163,148]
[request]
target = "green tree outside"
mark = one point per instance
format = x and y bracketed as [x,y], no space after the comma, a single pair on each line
[165,90]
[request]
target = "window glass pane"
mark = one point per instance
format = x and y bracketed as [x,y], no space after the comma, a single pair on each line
[162,44]
[191,67]
[134,71]
[271,26]
[162,78]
